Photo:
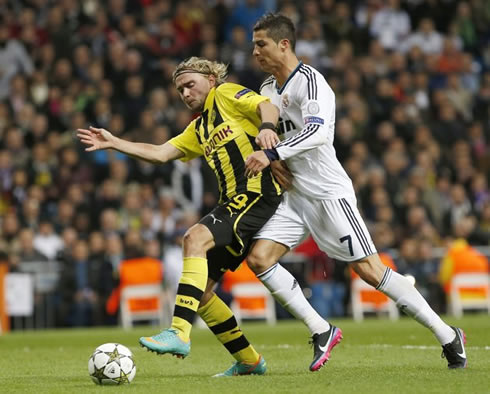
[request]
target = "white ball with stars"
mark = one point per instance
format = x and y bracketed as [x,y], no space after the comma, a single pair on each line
[111,364]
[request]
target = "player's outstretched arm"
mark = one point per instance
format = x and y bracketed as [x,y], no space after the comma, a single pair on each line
[98,138]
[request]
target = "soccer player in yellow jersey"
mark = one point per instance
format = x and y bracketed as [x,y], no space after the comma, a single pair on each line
[231,117]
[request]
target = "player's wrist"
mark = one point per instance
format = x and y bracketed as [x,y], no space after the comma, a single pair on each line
[267,125]
[272,154]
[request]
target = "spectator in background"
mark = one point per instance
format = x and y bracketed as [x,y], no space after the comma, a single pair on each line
[187,184]
[460,206]
[14,59]
[244,14]
[27,251]
[79,289]
[426,38]
[390,24]
[47,241]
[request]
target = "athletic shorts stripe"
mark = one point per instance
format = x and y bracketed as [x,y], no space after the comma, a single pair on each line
[366,242]
[356,230]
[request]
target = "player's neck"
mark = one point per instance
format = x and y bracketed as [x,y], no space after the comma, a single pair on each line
[282,73]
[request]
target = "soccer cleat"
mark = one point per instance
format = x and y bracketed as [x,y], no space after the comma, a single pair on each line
[168,341]
[322,346]
[239,368]
[454,351]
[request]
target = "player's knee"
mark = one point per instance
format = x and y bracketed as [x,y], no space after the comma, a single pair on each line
[192,242]
[259,261]
[195,241]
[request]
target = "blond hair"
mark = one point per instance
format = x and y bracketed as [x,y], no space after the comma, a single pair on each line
[202,66]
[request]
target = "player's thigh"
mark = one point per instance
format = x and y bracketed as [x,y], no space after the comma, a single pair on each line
[235,222]
[285,227]
[338,229]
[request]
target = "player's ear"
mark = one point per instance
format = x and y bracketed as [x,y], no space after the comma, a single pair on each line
[284,44]
[212,80]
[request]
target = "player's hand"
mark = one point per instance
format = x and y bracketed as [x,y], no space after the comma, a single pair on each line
[95,138]
[255,163]
[267,139]
[282,173]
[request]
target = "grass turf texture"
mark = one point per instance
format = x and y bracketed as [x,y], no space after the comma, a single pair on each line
[376,356]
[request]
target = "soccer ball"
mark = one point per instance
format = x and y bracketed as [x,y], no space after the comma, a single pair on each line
[111,364]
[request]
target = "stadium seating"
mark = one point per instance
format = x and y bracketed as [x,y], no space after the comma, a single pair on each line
[251,300]
[366,299]
[142,302]
[253,291]
[469,291]
[139,294]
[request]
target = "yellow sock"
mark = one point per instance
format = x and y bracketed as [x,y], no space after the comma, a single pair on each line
[191,288]
[222,323]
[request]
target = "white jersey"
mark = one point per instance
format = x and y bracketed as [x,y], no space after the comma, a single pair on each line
[306,129]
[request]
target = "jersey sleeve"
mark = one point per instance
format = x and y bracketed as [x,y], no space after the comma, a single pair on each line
[317,102]
[244,101]
[188,142]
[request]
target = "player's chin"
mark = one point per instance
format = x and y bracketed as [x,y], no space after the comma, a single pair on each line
[264,66]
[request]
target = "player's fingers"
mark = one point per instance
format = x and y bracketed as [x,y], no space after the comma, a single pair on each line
[84,133]
[95,129]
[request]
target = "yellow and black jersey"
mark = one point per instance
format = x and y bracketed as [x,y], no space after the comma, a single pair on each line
[225,134]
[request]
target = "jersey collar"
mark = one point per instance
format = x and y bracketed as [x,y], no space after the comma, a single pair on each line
[281,89]
[208,103]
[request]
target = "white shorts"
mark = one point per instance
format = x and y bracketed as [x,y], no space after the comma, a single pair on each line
[336,226]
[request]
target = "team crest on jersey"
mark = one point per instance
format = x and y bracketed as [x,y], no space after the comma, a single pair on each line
[313,108]
[242,92]
[285,101]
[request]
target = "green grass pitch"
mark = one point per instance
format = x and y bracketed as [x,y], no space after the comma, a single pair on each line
[376,356]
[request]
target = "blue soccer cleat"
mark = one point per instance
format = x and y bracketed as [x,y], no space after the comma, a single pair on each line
[240,368]
[168,341]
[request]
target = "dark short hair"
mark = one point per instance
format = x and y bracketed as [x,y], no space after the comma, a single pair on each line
[278,27]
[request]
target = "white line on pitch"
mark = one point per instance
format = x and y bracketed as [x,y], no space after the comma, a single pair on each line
[373,346]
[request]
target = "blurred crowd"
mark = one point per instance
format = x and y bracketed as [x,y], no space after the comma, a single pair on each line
[412,84]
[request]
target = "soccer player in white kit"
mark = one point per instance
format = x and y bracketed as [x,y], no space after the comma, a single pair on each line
[321,200]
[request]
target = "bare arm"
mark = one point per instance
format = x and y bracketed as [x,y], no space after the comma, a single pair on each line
[98,139]
[268,113]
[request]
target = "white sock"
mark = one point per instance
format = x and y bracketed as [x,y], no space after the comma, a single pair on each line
[286,290]
[408,299]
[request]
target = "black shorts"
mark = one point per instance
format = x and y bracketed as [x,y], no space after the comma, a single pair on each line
[233,224]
